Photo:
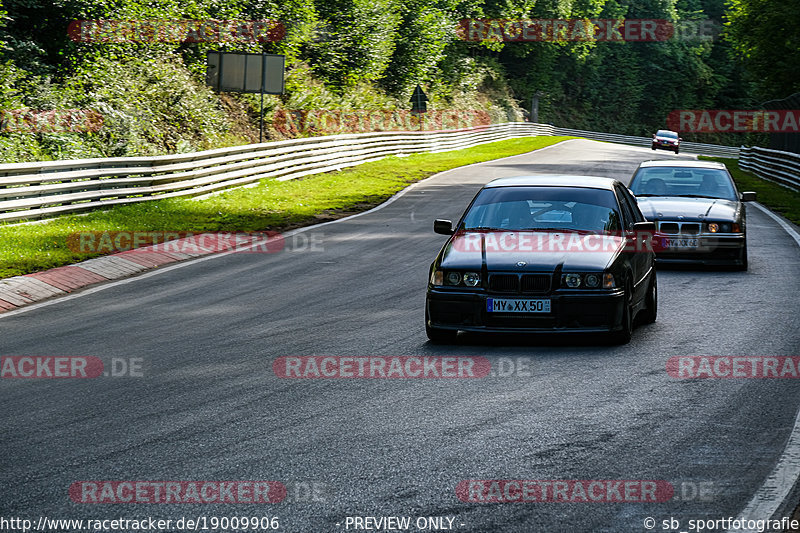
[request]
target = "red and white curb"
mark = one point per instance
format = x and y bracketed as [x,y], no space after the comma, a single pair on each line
[24,290]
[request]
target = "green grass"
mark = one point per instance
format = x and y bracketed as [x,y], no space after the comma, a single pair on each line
[272,205]
[776,197]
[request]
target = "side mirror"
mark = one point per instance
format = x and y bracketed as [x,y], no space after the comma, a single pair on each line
[749,196]
[680,139]
[642,236]
[443,227]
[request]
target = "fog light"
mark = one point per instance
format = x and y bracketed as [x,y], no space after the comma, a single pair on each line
[572,280]
[472,279]
[453,278]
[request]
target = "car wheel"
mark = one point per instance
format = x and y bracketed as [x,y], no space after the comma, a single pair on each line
[624,335]
[654,148]
[676,150]
[650,312]
[742,259]
[439,336]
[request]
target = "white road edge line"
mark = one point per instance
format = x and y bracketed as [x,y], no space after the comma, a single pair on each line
[186,263]
[779,483]
[785,225]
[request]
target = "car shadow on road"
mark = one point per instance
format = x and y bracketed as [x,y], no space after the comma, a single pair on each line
[467,339]
[678,267]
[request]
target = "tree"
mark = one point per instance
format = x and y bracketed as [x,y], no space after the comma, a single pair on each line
[765,34]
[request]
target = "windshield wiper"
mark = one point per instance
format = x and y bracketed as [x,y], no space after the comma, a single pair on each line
[699,196]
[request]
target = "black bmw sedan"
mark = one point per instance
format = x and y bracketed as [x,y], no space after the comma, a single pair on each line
[544,253]
[699,214]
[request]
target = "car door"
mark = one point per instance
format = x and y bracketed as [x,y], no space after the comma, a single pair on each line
[640,260]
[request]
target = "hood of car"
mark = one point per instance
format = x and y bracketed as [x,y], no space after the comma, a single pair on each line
[522,251]
[694,209]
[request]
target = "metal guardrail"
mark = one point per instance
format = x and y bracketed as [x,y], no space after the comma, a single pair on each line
[695,148]
[773,165]
[37,190]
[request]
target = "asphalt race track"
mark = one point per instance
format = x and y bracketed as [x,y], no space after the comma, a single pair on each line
[207,405]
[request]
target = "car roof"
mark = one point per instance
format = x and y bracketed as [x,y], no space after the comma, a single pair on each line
[554,180]
[683,163]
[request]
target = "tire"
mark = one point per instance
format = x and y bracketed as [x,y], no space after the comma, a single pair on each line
[676,150]
[649,314]
[742,259]
[654,148]
[624,335]
[439,336]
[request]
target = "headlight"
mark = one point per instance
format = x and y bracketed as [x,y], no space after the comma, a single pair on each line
[589,280]
[722,227]
[472,279]
[454,278]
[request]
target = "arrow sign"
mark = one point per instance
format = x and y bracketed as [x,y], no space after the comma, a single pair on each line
[419,101]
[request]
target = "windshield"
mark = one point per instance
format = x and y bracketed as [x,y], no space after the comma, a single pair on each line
[667,133]
[683,181]
[544,209]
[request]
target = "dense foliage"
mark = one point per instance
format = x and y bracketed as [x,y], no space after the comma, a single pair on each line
[370,54]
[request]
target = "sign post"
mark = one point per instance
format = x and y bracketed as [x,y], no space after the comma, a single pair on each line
[419,103]
[246,73]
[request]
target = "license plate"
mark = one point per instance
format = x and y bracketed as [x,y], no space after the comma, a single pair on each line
[679,243]
[505,305]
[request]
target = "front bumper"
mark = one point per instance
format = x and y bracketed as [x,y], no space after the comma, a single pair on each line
[570,311]
[664,146]
[710,250]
